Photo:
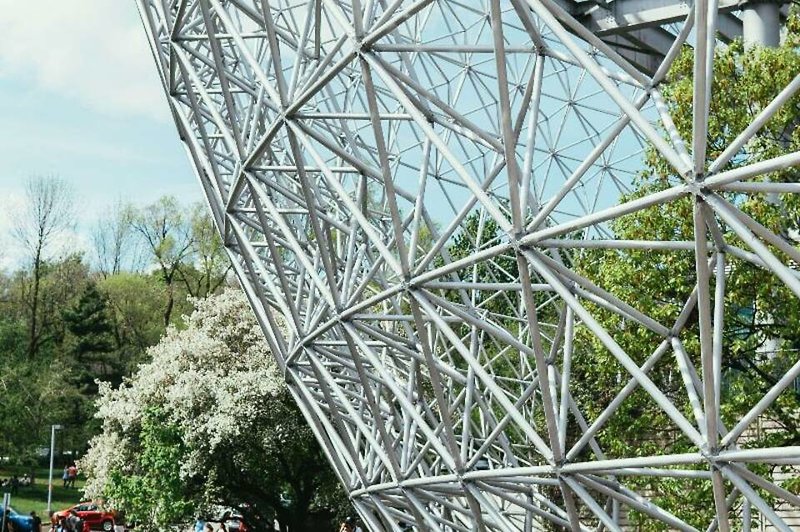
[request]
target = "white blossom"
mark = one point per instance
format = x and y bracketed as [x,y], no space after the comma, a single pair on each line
[212,380]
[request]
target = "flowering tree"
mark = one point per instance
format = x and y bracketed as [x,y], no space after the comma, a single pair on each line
[209,423]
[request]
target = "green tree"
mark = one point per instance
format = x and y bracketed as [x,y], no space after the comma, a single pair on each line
[762,315]
[208,266]
[209,423]
[156,492]
[47,214]
[33,397]
[184,248]
[37,391]
[93,348]
[166,232]
[135,303]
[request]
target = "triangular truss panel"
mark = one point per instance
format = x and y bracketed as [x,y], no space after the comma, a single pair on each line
[418,198]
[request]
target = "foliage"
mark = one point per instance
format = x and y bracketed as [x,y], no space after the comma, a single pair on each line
[134,309]
[183,246]
[759,306]
[66,321]
[154,492]
[89,325]
[33,398]
[207,423]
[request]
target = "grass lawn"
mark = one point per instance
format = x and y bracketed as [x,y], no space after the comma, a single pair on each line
[35,497]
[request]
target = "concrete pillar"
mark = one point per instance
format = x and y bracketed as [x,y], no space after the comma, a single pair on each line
[761,23]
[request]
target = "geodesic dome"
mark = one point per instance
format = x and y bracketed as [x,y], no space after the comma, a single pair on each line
[416,196]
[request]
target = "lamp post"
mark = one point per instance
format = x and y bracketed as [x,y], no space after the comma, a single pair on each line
[53,429]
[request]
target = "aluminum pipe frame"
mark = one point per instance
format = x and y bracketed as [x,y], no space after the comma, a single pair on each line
[405,189]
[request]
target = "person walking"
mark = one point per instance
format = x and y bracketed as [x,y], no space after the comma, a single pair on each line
[65,476]
[72,474]
[37,522]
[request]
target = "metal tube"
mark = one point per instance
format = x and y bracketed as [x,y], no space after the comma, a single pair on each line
[419,354]
[725,212]
[761,406]
[764,507]
[757,123]
[623,358]
[750,171]
[761,23]
[610,88]
[53,429]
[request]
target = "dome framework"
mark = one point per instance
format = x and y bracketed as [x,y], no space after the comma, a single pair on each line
[405,189]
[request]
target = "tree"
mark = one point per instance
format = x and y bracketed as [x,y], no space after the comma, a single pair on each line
[185,248]
[762,315]
[167,233]
[64,324]
[38,391]
[208,267]
[34,396]
[59,282]
[115,248]
[47,214]
[208,422]
[135,310]
[89,323]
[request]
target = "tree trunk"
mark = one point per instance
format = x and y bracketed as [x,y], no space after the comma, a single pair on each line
[170,304]
[37,274]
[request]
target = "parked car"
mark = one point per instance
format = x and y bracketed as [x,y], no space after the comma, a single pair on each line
[19,522]
[91,513]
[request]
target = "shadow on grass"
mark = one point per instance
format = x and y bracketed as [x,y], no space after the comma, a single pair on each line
[34,498]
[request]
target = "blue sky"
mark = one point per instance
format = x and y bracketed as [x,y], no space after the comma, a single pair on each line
[79,98]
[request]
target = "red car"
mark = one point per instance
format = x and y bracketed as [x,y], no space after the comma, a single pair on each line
[92,515]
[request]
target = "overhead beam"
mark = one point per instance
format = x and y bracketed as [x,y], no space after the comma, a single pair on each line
[622,16]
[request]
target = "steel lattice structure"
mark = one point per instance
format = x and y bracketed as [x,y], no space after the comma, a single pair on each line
[405,188]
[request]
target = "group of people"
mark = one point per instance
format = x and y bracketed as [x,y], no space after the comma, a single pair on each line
[209,528]
[71,523]
[69,475]
[12,484]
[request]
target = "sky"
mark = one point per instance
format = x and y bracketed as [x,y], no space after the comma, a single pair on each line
[80,99]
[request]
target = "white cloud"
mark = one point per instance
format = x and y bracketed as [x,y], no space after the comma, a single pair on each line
[93,51]
[10,203]
[13,253]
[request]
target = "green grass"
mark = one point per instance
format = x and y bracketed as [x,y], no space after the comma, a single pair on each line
[34,498]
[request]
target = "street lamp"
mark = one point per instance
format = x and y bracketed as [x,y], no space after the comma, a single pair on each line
[53,429]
